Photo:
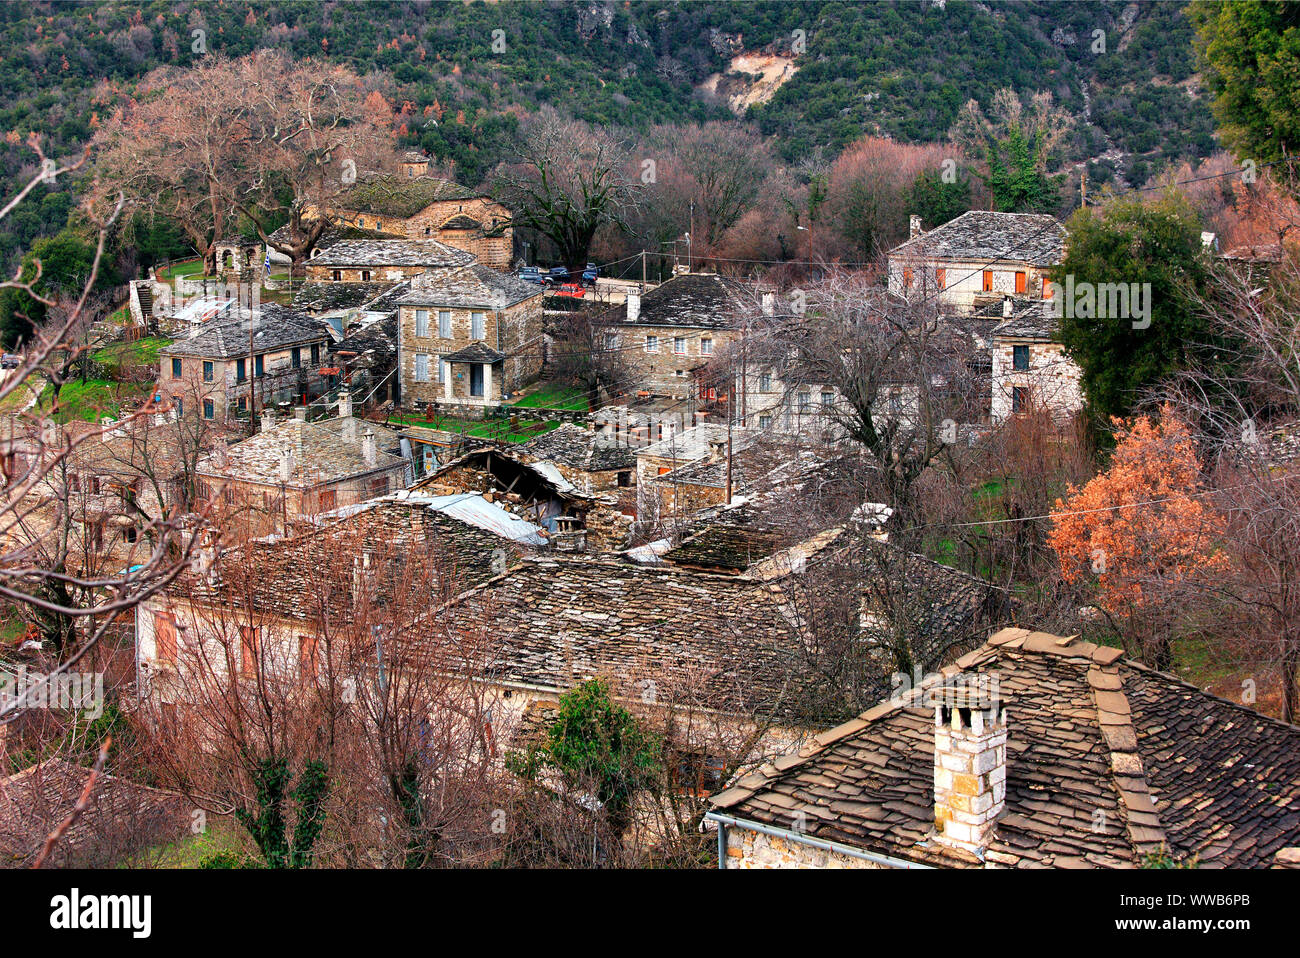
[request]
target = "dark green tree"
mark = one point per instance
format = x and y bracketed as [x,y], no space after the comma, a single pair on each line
[1249,54]
[938,202]
[1133,243]
[267,821]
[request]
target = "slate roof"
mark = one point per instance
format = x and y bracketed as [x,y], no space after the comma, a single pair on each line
[391,195]
[1107,761]
[372,345]
[288,578]
[1034,238]
[692,300]
[476,352]
[334,234]
[717,641]
[329,297]
[574,447]
[121,817]
[401,252]
[1031,321]
[275,327]
[321,454]
[473,286]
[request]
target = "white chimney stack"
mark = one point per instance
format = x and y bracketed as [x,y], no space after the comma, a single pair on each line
[1008,306]
[286,464]
[345,405]
[970,765]
[914,226]
[268,420]
[369,447]
[633,305]
[300,413]
[769,304]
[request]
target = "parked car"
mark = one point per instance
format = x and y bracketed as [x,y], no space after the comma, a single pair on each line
[11,361]
[557,275]
[531,274]
[589,274]
[571,289]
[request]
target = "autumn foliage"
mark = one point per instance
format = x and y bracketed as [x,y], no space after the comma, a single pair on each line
[1141,526]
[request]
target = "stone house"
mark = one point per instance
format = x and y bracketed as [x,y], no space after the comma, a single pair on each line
[468,338]
[1031,751]
[295,471]
[670,333]
[684,472]
[978,258]
[1030,368]
[422,207]
[592,462]
[277,351]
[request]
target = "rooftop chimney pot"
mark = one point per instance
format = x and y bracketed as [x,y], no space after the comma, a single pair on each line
[369,447]
[633,305]
[914,226]
[970,764]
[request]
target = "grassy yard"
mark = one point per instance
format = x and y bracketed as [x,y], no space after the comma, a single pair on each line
[142,352]
[93,399]
[498,429]
[223,834]
[555,396]
[184,268]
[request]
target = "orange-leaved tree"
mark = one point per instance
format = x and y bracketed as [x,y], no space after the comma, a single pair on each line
[1141,530]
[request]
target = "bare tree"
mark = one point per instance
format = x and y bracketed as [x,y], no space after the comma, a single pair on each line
[569,180]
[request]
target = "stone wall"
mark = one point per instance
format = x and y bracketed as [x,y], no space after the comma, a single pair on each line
[963,280]
[749,849]
[361,274]
[494,248]
[1052,379]
[666,372]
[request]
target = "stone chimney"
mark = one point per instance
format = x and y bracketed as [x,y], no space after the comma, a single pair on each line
[1209,240]
[970,766]
[633,305]
[345,405]
[300,413]
[1008,307]
[286,464]
[268,420]
[369,447]
[717,449]
[914,226]
[769,304]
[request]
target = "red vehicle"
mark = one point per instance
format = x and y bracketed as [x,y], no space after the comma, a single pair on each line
[570,289]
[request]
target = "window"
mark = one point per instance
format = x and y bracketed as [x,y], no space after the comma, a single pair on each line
[907,277]
[209,409]
[940,277]
[241,370]
[765,383]
[805,402]
[652,344]
[307,656]
[1019,398]
[295,357]
[679,345]
[365,276]
[664,470]
[248,649]
[1020,358]
[477,321]
[444,324]
[764,422]
[1047,288]
[706,347]
[176,369]
[208,370]
[259,366]
[180,407]
[379,487]
[442,370]
[242,404]
[422,322]
[164,637]
[315,354]
[611,341]
[421,368]
[130,534]
[828,399]
[988,281]
[328,500]
[1020,282]
[624,480]
[336,275]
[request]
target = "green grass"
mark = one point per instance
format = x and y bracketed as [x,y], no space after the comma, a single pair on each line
[189,267]
[142,352]
[555,396]
[93,399]
[478,428]
[223,834]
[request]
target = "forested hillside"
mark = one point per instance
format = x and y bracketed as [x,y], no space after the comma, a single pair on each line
[464,73]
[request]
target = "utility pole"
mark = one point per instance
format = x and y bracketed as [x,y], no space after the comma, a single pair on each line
[690,241]
[1083,188]
[729,446]
[643,269]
